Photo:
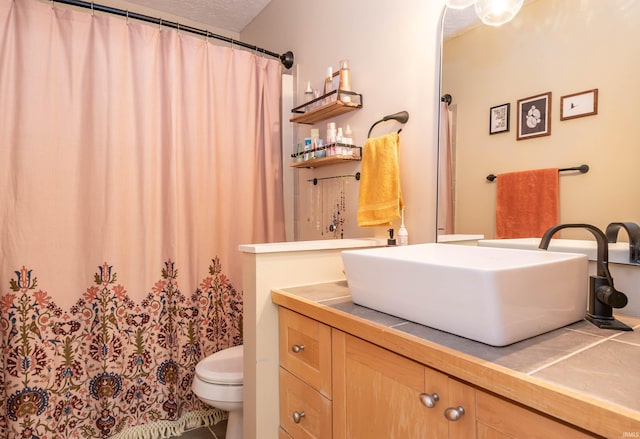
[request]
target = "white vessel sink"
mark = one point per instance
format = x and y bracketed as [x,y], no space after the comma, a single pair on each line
[495,296]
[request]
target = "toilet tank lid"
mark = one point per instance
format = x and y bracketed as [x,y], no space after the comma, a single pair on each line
[222,367]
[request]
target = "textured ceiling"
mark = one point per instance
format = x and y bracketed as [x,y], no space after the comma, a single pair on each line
[235,15]
[459,21]
[230,15]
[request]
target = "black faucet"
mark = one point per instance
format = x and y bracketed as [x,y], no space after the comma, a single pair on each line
[603,296]
[633,230]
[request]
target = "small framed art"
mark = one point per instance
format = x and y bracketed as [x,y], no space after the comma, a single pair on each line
[534,116]
[580,104]
[499,119]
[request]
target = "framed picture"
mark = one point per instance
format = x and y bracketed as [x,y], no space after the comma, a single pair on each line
[534,116]
[580,104]
[499,119]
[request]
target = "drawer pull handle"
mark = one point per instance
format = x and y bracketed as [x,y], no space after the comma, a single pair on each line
[297,417]
[297,348]
[429,400]
[454,413]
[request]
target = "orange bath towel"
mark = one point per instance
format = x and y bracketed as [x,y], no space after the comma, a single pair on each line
[380,197]
[526,203]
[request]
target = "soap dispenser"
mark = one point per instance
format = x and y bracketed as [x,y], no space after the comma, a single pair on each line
[391,240]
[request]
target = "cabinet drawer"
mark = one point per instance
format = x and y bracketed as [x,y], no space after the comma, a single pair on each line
[304,413]
[305,349]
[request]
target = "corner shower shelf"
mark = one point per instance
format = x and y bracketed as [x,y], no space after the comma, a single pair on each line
[307,113]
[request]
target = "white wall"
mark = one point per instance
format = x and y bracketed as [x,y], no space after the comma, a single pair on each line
[393,49]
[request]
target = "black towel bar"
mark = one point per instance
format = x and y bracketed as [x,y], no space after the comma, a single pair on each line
[582,168]
[401,116]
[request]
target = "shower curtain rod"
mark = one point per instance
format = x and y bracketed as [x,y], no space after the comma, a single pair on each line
[286,58]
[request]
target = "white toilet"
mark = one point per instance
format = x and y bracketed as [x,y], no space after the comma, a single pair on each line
[218,383]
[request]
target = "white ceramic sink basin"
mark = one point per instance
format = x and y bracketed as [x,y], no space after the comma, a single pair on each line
[495,296]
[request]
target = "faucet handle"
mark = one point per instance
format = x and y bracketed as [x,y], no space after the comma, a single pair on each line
[612,297]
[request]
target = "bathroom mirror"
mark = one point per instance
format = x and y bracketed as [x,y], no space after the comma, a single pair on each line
[564,47]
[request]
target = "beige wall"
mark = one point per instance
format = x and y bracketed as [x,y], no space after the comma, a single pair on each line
[550,47]
[393,53]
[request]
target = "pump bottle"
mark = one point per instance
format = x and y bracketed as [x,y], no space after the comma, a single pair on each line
[403,234]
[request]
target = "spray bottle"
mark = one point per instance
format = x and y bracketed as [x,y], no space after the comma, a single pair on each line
[403,235]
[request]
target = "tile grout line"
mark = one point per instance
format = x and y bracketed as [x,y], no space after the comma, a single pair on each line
[332,299]
[556,361]
[611,337]
[630,343]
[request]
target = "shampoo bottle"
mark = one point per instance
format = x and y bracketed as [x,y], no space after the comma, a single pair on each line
[345,80]
[328,81]
[403,235]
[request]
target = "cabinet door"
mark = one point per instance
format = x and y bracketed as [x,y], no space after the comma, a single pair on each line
[377,393]
[305,349]
[498,418]
[460,410]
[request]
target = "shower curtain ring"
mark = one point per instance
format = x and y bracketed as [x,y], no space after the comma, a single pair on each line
[92,11]
[159,23]
[127,16]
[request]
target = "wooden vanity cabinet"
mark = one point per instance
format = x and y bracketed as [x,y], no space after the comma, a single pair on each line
[349,388]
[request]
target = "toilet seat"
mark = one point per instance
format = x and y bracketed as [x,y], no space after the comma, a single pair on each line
[223,367]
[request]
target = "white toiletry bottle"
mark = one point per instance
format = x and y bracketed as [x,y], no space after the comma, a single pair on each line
[403,235]
[308,93]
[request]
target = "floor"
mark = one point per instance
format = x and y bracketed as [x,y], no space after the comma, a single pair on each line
[213,432]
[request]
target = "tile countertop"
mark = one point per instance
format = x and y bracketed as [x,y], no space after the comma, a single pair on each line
[587,369]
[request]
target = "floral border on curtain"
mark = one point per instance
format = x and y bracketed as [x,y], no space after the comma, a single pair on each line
[108,363]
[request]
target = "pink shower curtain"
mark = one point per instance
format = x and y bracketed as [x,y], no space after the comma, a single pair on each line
[133,161]
[446,190]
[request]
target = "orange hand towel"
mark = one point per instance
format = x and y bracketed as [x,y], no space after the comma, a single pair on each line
[526,203]
[380,198]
